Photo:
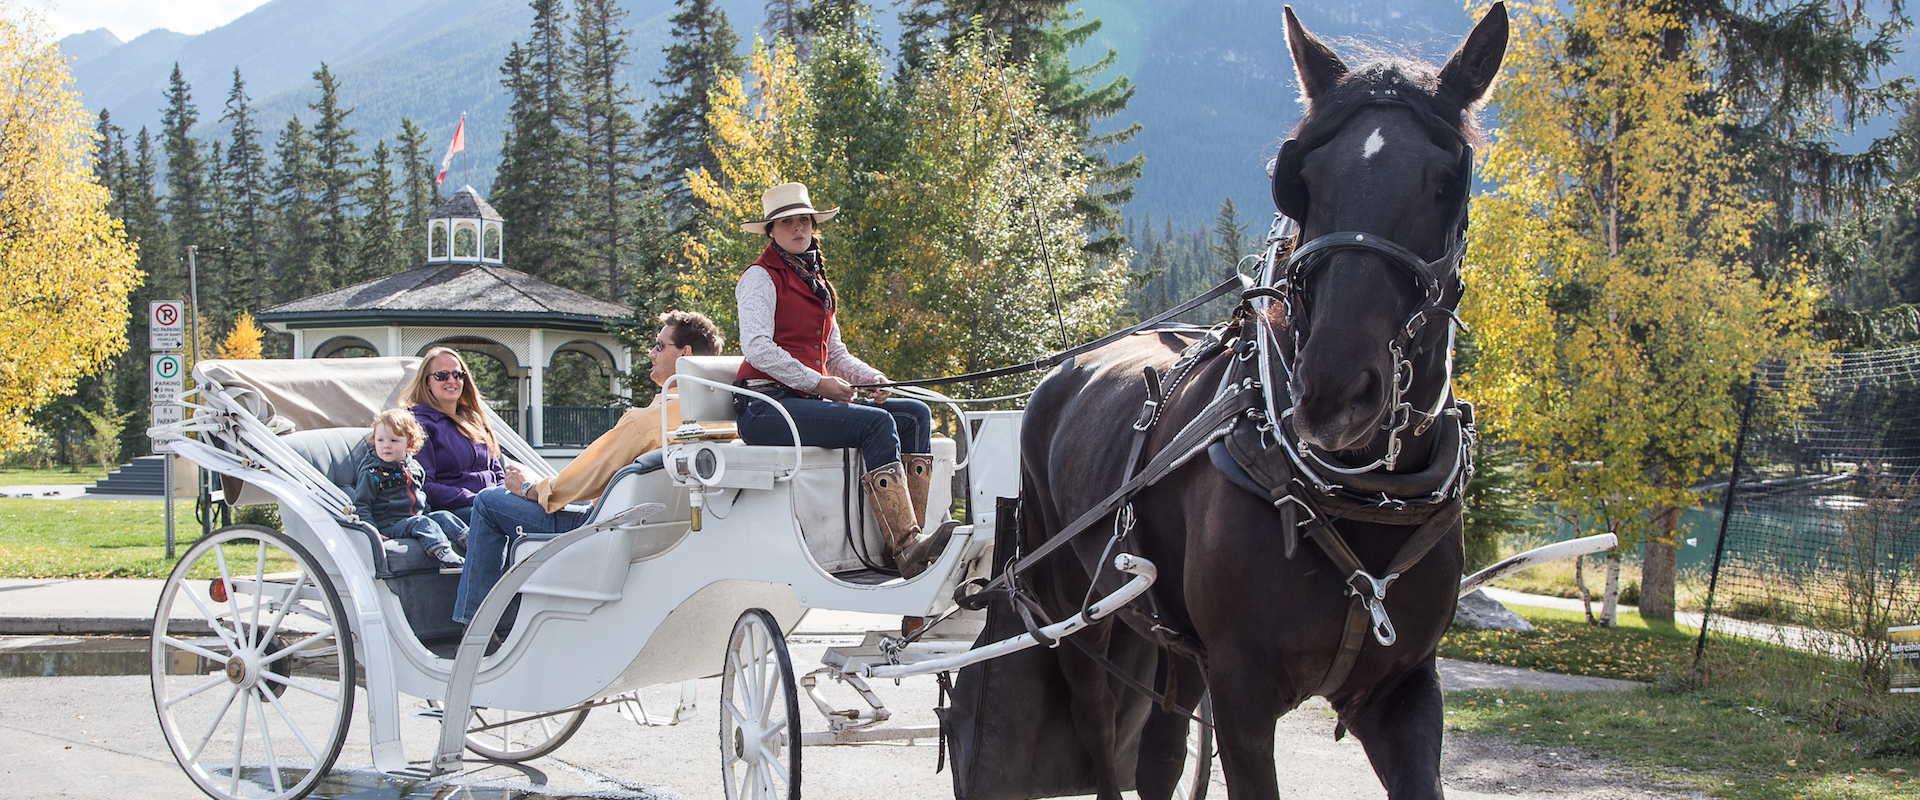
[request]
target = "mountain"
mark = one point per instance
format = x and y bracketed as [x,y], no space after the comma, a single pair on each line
[1215,84]
[84,46]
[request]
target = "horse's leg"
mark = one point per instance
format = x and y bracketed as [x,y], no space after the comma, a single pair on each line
[1246,703]
[1163,742]
[1400,731]
[1094,705]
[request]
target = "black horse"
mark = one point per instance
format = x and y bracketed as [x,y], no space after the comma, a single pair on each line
[1364,454]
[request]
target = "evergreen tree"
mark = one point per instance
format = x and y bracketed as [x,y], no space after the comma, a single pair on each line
[298,266]
[538,174]
[1229,236]
[110,162]
[678,131]
[248,188]
[334,172]
[215,257]
[381,250]
[612,186]
[418,190]
[785,21]
[185,204]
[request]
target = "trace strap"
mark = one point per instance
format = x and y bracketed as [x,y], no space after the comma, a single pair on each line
[1238,281]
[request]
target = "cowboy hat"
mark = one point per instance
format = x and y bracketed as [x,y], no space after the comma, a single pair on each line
[786,200]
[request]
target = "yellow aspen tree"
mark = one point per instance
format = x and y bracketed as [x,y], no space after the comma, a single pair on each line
[66,266]
[1614,318]
[243,341]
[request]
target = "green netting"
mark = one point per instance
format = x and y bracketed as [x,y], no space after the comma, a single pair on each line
[1820,542]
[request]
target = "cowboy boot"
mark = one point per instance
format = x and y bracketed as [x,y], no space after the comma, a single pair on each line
[886,490]
[919,480]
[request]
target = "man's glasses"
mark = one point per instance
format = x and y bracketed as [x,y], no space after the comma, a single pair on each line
[659,346]
[449,375]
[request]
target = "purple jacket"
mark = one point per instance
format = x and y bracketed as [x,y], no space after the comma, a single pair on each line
[457,469]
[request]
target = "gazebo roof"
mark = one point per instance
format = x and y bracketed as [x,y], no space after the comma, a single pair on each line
[482,295]
[464,203]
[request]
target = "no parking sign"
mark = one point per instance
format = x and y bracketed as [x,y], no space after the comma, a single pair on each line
[166,326]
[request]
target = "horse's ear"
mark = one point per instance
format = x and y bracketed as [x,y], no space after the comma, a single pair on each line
[1470,72]
[1316,65]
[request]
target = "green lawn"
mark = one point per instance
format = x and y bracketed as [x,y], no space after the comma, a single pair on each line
[58,476]
[1724,740]
[90,538]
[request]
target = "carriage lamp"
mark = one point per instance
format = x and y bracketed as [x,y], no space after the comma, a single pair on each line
[704,464]
[218,590]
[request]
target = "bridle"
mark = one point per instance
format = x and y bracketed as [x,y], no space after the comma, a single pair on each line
[1285,282]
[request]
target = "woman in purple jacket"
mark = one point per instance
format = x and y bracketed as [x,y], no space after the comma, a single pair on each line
[461,456]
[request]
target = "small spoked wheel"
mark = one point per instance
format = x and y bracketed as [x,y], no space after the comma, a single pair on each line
[1194,776]
[759,713]
[516,736]
[253,670]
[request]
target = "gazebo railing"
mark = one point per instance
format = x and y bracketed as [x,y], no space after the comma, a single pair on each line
[576,426]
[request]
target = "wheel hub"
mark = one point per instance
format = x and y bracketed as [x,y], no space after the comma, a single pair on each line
[237,670]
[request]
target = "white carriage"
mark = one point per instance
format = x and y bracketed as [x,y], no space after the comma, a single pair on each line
[262,635]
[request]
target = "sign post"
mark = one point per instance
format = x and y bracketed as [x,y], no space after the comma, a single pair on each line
[166,380]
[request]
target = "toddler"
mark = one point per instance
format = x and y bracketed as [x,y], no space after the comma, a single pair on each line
[388,492]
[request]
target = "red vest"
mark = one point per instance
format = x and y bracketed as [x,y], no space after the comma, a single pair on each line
[801,319]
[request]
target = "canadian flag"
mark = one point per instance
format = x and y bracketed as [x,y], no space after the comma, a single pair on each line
[458,144]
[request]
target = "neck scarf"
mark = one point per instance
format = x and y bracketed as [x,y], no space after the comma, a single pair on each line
[812,267]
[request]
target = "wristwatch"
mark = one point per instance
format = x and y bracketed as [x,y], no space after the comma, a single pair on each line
[526,490]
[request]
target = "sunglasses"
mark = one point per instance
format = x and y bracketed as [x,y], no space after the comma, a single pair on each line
[660,345]
[449,375]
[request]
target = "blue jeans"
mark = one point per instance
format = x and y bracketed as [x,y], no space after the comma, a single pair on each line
[435,528]
[881,431]
[498,517]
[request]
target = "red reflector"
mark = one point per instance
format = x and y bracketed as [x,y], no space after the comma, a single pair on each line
[218,590]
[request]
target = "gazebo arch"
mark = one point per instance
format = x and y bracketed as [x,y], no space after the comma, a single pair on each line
[331,348]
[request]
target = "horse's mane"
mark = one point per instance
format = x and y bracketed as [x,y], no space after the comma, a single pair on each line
[1411,80]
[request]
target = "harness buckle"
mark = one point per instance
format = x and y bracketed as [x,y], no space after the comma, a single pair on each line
[1148,411]
[1373,596]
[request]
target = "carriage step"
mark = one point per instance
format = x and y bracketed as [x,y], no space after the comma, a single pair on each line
[431,713]
[857,735]
[416,773]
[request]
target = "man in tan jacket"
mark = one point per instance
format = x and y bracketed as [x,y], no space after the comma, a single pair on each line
[539,506]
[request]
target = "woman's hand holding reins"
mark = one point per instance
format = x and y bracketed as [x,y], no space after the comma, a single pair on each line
[835,389]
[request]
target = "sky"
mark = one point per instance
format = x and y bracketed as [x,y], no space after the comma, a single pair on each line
[130,18]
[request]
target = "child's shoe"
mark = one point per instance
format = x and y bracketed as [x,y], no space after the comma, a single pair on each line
[446,555]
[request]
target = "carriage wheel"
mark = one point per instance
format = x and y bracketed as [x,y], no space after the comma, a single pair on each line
[256,703]
[516,736]
[759,713]
[1194,776]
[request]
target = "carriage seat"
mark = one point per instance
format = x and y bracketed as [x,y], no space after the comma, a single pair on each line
[336,453]
[706,405]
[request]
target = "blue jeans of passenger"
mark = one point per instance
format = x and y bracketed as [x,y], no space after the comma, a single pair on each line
[498,516]
[882,432]
[433,529]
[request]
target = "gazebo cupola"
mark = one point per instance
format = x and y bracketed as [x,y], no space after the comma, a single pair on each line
[464,229]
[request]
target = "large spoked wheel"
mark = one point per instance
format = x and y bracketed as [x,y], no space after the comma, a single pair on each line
[1194,777]
[516,736]
[759,713]
[256,702]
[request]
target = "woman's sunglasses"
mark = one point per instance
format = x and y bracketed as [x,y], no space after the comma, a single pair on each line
[449,374]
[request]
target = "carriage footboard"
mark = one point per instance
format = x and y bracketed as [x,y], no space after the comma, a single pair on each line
[1143,572]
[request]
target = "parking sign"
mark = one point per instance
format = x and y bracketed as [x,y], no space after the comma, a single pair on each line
[166,326]
[167,379]
[167,414]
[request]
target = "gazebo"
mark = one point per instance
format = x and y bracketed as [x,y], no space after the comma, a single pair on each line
[464,297]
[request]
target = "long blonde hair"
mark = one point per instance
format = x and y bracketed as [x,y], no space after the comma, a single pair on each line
[468,415]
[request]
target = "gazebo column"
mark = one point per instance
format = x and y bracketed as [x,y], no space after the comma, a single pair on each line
[300,344]
[393,341]
[537,394]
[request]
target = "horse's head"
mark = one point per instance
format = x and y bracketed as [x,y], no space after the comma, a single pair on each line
[1383,160]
